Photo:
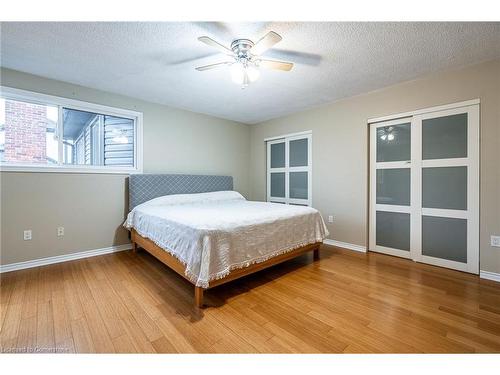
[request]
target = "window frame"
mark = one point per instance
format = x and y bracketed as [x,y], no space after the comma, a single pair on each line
[60,102]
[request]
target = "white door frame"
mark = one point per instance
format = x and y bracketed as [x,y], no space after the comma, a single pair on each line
[416,164]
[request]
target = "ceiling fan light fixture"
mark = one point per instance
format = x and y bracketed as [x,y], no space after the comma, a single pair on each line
[253,73]
[247,62]
[237,73]
[243,73]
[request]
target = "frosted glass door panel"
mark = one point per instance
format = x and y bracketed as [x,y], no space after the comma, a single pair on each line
[278,155]
[393,230]
[278,185]
[393,143]
[298,185]
[444,238]
[390,186]
[444,137]
[298,152]
[444,187]
[393,186]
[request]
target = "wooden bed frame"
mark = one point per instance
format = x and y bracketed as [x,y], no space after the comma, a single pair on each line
[174,264]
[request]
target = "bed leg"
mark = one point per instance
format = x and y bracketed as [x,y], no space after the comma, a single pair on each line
[134,247]
[198,296]
[316,254]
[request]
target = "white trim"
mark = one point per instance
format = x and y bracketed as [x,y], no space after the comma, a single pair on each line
[34,97]
[277,200]
[345,245]
[288,135]
[298,169]
[416,189]
[407,254]
[393,164]
[287,171]
[66,169]
[444,107]
[442,212]
[438,163]
[372,186]
[393,208]
[395,121]
[441,262]
[18,94]
[63,258]
[490,276]
[473,184]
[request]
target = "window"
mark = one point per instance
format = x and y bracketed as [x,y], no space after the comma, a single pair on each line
[45,133]
[289,169]
[94,139]
[27,132]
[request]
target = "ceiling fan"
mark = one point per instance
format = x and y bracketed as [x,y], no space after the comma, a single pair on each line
[245,58]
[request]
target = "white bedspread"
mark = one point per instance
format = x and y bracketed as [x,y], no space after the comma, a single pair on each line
[214,233]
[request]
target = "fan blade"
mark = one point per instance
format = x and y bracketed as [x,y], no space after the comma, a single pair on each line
[212,66]
[279,65]
[213,43]
[266,42]
[297,57]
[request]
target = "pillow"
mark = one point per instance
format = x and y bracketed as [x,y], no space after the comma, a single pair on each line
[176,199]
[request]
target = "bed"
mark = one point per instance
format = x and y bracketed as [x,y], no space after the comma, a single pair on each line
[209,234]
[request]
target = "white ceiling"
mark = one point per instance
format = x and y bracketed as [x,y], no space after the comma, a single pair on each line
[156,61]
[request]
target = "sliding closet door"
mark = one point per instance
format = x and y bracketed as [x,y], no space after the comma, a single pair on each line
[390,186]
[276,171]
[424,188]
[289,168]
[449,181]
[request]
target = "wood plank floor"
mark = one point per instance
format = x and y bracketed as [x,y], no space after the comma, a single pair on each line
[346,302]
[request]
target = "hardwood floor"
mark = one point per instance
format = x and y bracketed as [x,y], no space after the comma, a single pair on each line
[343,303]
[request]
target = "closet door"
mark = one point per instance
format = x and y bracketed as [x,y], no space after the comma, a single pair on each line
[449,181]
[424,188]
[391,213]
[277,171]
[289,169]
[299,170]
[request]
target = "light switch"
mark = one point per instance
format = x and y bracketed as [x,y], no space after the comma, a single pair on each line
[27,235]
[495,241]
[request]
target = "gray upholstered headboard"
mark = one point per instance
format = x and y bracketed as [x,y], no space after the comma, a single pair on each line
[144,187]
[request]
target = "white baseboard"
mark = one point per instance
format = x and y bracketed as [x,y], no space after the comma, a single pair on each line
[63,258]
[345,245]
[490,276]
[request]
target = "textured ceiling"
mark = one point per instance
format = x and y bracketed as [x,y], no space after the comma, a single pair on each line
[156,61]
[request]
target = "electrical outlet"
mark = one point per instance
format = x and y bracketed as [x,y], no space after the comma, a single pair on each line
[330,219]
[60,231]
[27,235]
[495,241]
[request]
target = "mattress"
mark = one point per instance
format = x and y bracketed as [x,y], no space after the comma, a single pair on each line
[215,233]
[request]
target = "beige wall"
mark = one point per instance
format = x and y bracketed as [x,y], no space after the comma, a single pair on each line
[92,207]
[340,147]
